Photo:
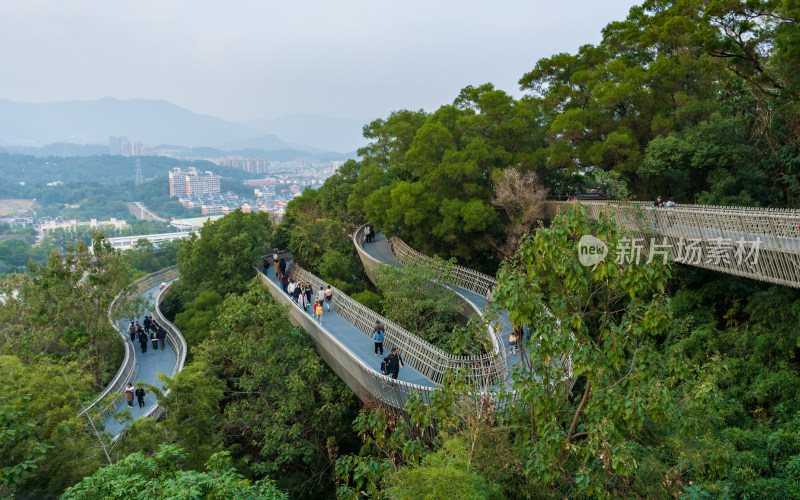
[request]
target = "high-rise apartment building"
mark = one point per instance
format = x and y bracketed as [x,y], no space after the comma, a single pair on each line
[177,182]
[134,148]
[115,144]
[192,182]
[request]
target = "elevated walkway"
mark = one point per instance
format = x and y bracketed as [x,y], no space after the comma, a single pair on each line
[359,343]
[757,243]
[380,250]
[137,366]
[148,366]
[343,340]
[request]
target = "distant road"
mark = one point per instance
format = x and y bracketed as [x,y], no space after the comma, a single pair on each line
[138,210]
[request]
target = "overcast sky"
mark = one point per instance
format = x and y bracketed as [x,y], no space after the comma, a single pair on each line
[247,59]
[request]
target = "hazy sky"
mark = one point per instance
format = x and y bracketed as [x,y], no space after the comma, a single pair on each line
[246,59]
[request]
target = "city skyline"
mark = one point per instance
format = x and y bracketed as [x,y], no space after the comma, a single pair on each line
[251,60]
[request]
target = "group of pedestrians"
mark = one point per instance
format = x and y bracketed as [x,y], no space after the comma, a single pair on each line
[148,331]
[659,203]
[369,234]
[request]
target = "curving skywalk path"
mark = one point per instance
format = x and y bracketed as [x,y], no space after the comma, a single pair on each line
[381,251]
[138,366]
[148,366]
[343,339]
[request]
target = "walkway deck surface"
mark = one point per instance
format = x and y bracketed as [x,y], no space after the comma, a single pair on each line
[148,366]
[381,250]
[360,344]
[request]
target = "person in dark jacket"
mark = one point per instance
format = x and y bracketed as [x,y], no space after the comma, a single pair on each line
[146,324]
[298,290]
[162,334]
[140,395]
[143,340]
[282,266]
[308,292]
[395,362]
[154,338]
[386,366]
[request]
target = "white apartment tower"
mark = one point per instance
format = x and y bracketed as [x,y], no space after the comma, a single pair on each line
[192,182]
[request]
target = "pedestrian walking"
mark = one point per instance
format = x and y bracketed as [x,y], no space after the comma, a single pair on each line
[129,395]
[386,366]
[132,332]
[275,263]
[367,234]
[282,266]
[308,291]
[377,337]
[264,265]
[395,362]
[321,296]
[318,310]
[285,283]
[140,395]
[290,288]
[146,324]
[154,338]
[298,291]
[143,340]
[329,297]
[162,334]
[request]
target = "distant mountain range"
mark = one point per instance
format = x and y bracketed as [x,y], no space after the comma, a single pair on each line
[83,128]
[325,132]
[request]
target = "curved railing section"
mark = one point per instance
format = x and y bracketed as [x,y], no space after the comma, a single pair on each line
[461,276]
[429,360]
[362,378]
[127,371]
[770,238]
[471,280]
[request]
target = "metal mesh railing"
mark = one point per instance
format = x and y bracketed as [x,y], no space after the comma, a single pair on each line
[719,235]
[362,378]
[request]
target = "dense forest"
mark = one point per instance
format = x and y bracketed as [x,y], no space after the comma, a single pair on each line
[687,382]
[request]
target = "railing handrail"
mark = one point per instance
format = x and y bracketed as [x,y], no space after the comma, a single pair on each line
[711,209]
[474,281]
